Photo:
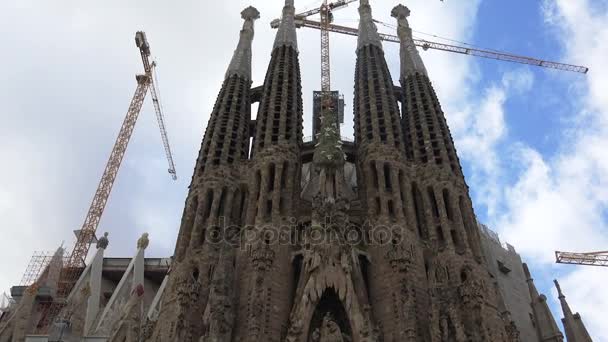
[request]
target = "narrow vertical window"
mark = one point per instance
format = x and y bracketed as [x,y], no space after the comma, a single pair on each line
[448,204]
[433,201]
[387,177]
[419,210]
[372,166]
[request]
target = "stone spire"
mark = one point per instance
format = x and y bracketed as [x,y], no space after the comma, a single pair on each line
[573,324]
[425,129]
[545,323]
[286,34]
[368,32]
[240,64]
[411,62]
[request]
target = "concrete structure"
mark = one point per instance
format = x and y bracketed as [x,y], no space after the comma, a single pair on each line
[520,302]
[96,305]
[365,241]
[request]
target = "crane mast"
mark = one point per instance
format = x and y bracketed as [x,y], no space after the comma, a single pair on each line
[326,100]
[86,235]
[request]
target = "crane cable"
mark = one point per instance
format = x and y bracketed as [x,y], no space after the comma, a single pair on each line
[394,27]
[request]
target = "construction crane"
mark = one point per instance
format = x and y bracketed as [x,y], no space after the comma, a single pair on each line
[86,235]
[302,21]
[326,17]
[589,259]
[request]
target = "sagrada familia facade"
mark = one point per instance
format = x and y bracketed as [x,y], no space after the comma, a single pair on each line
[330,241]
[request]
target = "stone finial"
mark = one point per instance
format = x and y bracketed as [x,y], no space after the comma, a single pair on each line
[559,289]
[240,64]
[250,13]
[143,241]
[411,63]
[103,241]
[401,13]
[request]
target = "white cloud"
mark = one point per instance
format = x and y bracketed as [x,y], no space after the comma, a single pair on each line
[481,127]
[68,69]
[559,202]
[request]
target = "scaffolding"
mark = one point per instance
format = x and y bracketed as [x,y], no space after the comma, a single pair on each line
[38,264]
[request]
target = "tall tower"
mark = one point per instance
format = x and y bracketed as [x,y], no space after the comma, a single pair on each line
[394,257]
[216,199]
[264,261]
[462,301]
[396,284]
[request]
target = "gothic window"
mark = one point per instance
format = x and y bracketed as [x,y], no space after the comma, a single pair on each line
[237,201]
[268,212]
[222,204]
[433,201]
[271,176]
[391,209]
[457,241]
[440,236]
[419,210]
[374,171]
[364,264]
[284,175]
[387,177]
[447,203]
[402,193]
[209,200]
[463,275]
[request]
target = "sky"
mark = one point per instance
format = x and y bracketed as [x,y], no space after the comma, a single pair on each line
[531,140]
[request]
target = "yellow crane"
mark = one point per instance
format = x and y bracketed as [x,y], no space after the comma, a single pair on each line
[588,258]
[76,261]
[325,26]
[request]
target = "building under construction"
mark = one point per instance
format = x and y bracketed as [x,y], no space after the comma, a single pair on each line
[281,240]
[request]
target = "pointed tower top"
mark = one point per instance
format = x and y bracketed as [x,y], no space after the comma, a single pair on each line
[411,62]
[241,60]
[559,289]
[573,324]
[368,32]
[562,299]
[286,34]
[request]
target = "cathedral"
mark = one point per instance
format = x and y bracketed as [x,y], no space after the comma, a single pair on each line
[283,240]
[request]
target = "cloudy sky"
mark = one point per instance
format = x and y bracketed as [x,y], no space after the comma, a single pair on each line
[532,141]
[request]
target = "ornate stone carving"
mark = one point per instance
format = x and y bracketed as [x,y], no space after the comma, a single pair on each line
[400,257]
[103,241]
[329,331]
[143,241]
[262,257]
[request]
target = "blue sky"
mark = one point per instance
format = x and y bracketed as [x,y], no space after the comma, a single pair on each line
[532,141]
